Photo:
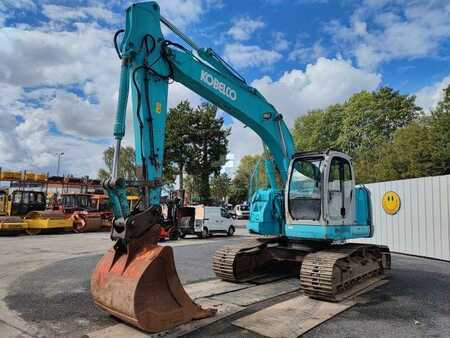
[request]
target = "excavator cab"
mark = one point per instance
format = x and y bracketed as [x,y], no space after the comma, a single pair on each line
[321,200]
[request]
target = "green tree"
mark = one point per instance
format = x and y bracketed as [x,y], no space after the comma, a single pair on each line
[127,164]
[440,122]
[220,187]
[369,125]
[240,183]
[179,120]
[422,148]
[190,186]
[362,127]
[208,147]
[370,119]
[318,129]
[413,152]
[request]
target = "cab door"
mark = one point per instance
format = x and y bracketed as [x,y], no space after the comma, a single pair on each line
[339,194]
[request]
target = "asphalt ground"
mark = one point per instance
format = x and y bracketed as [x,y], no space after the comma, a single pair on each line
[44,291]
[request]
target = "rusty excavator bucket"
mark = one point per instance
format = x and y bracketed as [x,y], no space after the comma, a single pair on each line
[139,284]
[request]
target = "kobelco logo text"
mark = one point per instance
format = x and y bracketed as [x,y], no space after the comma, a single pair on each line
[217,85]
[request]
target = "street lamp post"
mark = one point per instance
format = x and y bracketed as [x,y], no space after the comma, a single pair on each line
[59,162]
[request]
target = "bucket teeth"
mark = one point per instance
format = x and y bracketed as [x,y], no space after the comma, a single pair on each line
[142,288]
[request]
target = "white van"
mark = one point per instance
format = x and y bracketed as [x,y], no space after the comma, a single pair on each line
[211,220]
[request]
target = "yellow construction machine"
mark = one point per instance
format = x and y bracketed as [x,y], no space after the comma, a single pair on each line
[9,223]
[25,210]
[46,220]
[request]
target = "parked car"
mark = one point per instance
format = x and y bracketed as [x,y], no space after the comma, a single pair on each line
[212,220]
[241,211]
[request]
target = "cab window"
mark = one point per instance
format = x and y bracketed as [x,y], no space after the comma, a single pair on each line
[224,213]
[32,197]
[304,189]
[17,197]
[39,198]
[340,185]
[68,200]
[84,201]
[104,205]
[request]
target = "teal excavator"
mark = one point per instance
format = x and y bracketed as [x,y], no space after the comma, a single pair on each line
[310,209]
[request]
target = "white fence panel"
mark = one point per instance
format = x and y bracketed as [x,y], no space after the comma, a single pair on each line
[421,226]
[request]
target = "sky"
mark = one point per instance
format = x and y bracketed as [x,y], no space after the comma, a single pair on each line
[59,72]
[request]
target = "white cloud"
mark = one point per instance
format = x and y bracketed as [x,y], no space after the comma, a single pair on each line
[243,28]
[242,56]
[242,141]
[380,32]
[56,66]
[326,82]
[5,5]
[182,12]
[280,43]
[29,146]
[10,95]
[215,4]
[60,59]
[64,13]
[307,54]
[428,97]
[56,57]
[178,93]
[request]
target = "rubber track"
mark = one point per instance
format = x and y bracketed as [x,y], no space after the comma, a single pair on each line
[328,273]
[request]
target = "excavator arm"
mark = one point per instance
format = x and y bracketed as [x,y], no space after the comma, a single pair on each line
[136,280]
[149,62]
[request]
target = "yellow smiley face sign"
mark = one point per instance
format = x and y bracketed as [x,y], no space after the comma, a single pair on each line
[391,202]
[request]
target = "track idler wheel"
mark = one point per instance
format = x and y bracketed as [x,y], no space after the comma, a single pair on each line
[141,286]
